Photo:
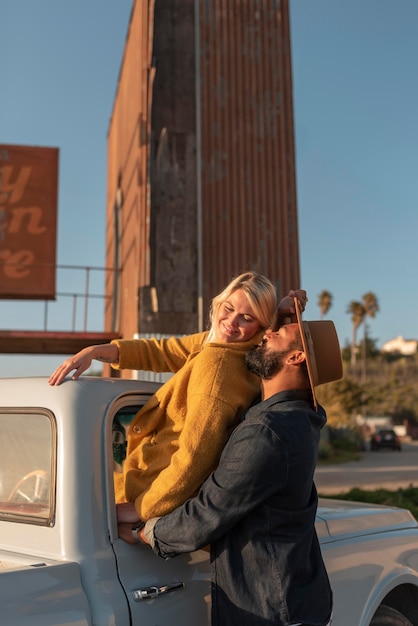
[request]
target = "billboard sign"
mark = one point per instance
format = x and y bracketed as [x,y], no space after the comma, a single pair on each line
[28,221]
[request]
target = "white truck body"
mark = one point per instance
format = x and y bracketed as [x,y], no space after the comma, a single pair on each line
[62,563]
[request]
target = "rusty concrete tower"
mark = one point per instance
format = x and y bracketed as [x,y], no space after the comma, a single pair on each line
[201,160]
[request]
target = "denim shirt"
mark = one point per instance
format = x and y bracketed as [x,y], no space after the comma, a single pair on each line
[257,510]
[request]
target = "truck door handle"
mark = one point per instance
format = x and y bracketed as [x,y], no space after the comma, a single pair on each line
[153,592]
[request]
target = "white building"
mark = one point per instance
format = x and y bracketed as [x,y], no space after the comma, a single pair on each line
[400,346]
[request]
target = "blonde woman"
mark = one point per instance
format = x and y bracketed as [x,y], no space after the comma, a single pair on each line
[176,439]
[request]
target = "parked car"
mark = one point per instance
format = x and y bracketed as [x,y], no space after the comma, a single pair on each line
[385,438]
[61,560]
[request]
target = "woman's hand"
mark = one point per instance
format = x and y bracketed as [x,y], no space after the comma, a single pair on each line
[288,302]
[286,309]
[80,362]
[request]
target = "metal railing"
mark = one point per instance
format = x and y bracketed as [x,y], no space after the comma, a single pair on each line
[85,292]
[86,295]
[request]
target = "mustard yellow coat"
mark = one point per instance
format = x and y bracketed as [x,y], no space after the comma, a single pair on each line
[176,439]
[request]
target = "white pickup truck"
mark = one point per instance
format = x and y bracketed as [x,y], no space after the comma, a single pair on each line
[62,563]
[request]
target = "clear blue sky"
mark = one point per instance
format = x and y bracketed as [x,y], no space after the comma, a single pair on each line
[355,102]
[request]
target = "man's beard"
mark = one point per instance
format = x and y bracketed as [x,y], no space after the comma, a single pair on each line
[263,363]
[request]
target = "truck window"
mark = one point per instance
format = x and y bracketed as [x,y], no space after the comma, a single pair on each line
[27,445]
[120,427]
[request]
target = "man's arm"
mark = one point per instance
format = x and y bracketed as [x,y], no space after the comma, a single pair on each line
[241,482]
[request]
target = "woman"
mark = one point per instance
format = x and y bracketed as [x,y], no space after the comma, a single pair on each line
[176,439]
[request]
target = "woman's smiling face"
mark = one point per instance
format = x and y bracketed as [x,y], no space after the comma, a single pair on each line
[235,319]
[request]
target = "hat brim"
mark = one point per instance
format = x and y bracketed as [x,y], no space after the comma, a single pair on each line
[323,364]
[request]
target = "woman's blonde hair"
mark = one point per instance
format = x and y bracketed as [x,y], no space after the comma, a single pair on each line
[261,294]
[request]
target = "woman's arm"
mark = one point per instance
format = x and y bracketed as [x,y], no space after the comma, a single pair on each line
[157,355]
[218,392]
[200,444]
[80,362]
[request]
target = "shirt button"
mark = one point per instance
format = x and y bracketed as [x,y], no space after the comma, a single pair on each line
[136,429]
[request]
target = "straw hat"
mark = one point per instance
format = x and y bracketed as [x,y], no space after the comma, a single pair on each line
[322,350]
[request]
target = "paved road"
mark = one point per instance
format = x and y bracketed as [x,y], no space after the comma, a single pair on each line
[385,468]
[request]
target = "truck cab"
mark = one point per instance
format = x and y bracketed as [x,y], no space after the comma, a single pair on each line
[59,544]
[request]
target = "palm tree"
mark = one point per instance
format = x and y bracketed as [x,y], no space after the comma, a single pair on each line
[358,313]
[324,302]
[370,304]
[371,307]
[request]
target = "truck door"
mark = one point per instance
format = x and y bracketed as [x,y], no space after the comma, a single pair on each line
[175,592]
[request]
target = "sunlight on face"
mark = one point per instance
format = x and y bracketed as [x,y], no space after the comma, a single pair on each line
[235,319]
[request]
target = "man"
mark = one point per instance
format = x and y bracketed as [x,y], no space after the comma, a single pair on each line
[257,510]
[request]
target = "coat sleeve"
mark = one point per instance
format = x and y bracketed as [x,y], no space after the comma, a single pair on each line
[241,482]
[219,391]
[157,355]
[200,444]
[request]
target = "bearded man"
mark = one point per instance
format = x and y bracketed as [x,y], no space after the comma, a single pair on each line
[257,509]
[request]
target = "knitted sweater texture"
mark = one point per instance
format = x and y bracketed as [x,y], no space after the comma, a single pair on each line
[176,439]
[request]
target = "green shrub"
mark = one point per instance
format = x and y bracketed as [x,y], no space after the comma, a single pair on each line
[404,498]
